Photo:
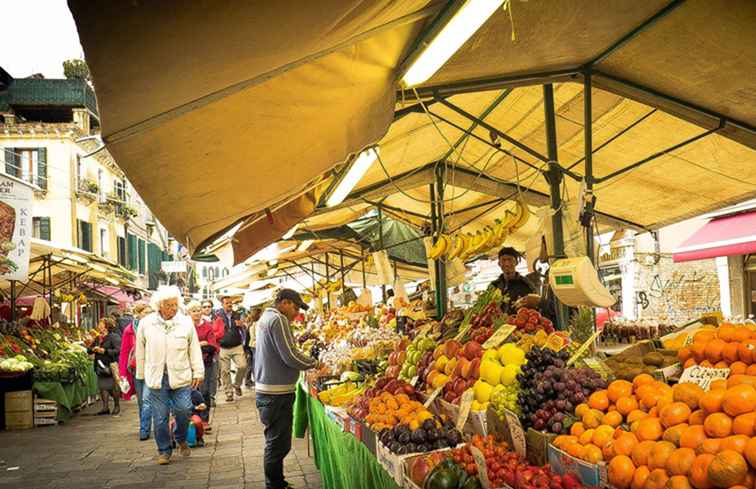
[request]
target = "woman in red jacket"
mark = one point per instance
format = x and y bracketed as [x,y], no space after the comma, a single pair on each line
[210,348]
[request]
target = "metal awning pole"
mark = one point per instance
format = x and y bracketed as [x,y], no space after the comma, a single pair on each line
[380,244]
[13,299]
[437,227]
[328,279]
[588,137]
[554,177]
[364,276]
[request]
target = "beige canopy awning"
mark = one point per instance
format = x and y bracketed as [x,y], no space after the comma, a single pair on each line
[217,112]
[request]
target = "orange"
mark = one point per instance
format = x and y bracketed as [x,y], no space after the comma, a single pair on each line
[618,389]
[613,419]
[599,400]
[626,405]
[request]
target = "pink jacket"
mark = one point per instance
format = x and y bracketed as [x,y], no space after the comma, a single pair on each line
[128,342]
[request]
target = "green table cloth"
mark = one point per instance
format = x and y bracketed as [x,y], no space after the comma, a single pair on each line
[343,461]
[68,396]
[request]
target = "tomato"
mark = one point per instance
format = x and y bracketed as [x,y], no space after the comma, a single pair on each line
[471,469]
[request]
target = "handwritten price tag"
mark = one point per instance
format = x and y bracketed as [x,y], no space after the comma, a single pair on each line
[480,461]
[465,404]
[432,397]
[688,340]
[516,432]
[499,336]
[413,381]
[703,376]
[583,348]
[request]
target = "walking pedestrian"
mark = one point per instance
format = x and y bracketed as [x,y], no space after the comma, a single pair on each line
[106,349]
[127,368]
[278,362]
[249,347]
[169,359]
[231,342]
[209,315]
[209,347]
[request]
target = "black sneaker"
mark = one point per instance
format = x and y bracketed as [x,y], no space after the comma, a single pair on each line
[103,412]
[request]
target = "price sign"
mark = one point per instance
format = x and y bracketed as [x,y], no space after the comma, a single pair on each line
[465,404]
[432,397]
[462,332]
[413,381]
[703,376]
[688,340]
[515,432]
[480,461]
[583,348]
[598,366]
[499,336]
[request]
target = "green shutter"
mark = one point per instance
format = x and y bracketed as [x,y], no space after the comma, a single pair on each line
[44,228]
[42,168]
[140,246]
[131,243]
[122,251]
[85,235]
[153,265]
[11,166]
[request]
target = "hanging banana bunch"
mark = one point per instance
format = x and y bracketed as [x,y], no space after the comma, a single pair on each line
[466,245]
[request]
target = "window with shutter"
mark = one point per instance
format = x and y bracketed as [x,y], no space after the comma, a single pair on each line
[11,163]
[131,242]
[41,175]
[140,252]
[85,235]
[122,251]
[41,228]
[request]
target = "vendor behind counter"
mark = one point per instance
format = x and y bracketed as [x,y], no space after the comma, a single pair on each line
[522,291]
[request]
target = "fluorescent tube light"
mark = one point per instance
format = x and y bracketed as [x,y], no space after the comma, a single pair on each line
[290,232]
[305,245]
[355,173]
[465,22]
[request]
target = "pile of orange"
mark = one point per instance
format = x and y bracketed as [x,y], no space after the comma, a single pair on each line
[654,436]
[729,346]
[387,410]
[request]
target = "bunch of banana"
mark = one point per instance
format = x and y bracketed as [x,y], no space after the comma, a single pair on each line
[467,245]
[340,395]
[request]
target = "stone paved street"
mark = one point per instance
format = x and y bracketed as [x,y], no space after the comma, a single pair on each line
[93,452]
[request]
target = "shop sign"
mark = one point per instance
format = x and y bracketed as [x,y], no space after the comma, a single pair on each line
[173,266]
[15,228]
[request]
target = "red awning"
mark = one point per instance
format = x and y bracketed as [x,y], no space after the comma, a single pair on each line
[723,236]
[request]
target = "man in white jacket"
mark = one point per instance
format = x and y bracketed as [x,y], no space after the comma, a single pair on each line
[169,359]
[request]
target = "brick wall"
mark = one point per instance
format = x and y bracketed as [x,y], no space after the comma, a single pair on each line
[676,291]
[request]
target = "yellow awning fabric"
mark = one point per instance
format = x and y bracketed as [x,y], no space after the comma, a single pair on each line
[217,111]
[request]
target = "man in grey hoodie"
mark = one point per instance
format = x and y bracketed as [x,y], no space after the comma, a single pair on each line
[278,362]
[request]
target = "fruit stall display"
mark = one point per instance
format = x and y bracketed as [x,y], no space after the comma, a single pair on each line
[623,331]
[628,422]
[53,354]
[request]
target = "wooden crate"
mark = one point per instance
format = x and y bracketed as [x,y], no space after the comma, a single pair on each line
[40,421]
[19,420]
[18,401]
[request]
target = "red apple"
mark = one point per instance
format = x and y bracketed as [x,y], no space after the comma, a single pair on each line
[475,369]
[462,365]
[452,347]
[472,350]
[419,470]
[449,396]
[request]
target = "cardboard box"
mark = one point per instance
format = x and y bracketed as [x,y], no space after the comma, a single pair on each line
[391,462]
[18,401]
[19,420]
[591,475]
[368,437]
[476,420]
[647,346]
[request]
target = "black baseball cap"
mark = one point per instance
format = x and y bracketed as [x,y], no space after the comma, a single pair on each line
[509,251]
[293,296]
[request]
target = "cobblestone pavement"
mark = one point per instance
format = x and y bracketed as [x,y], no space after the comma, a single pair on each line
[93,452]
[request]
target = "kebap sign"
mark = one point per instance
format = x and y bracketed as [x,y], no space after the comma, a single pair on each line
[15,228]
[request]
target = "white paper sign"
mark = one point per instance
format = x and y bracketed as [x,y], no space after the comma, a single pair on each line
[173,266]
[703,376]
[516,432]
[15,228]
[432,397]
[465,404]
[480,461]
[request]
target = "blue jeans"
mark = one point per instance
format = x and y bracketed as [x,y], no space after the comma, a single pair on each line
[143,404]
[211,375]
[162,402]
[277,415]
